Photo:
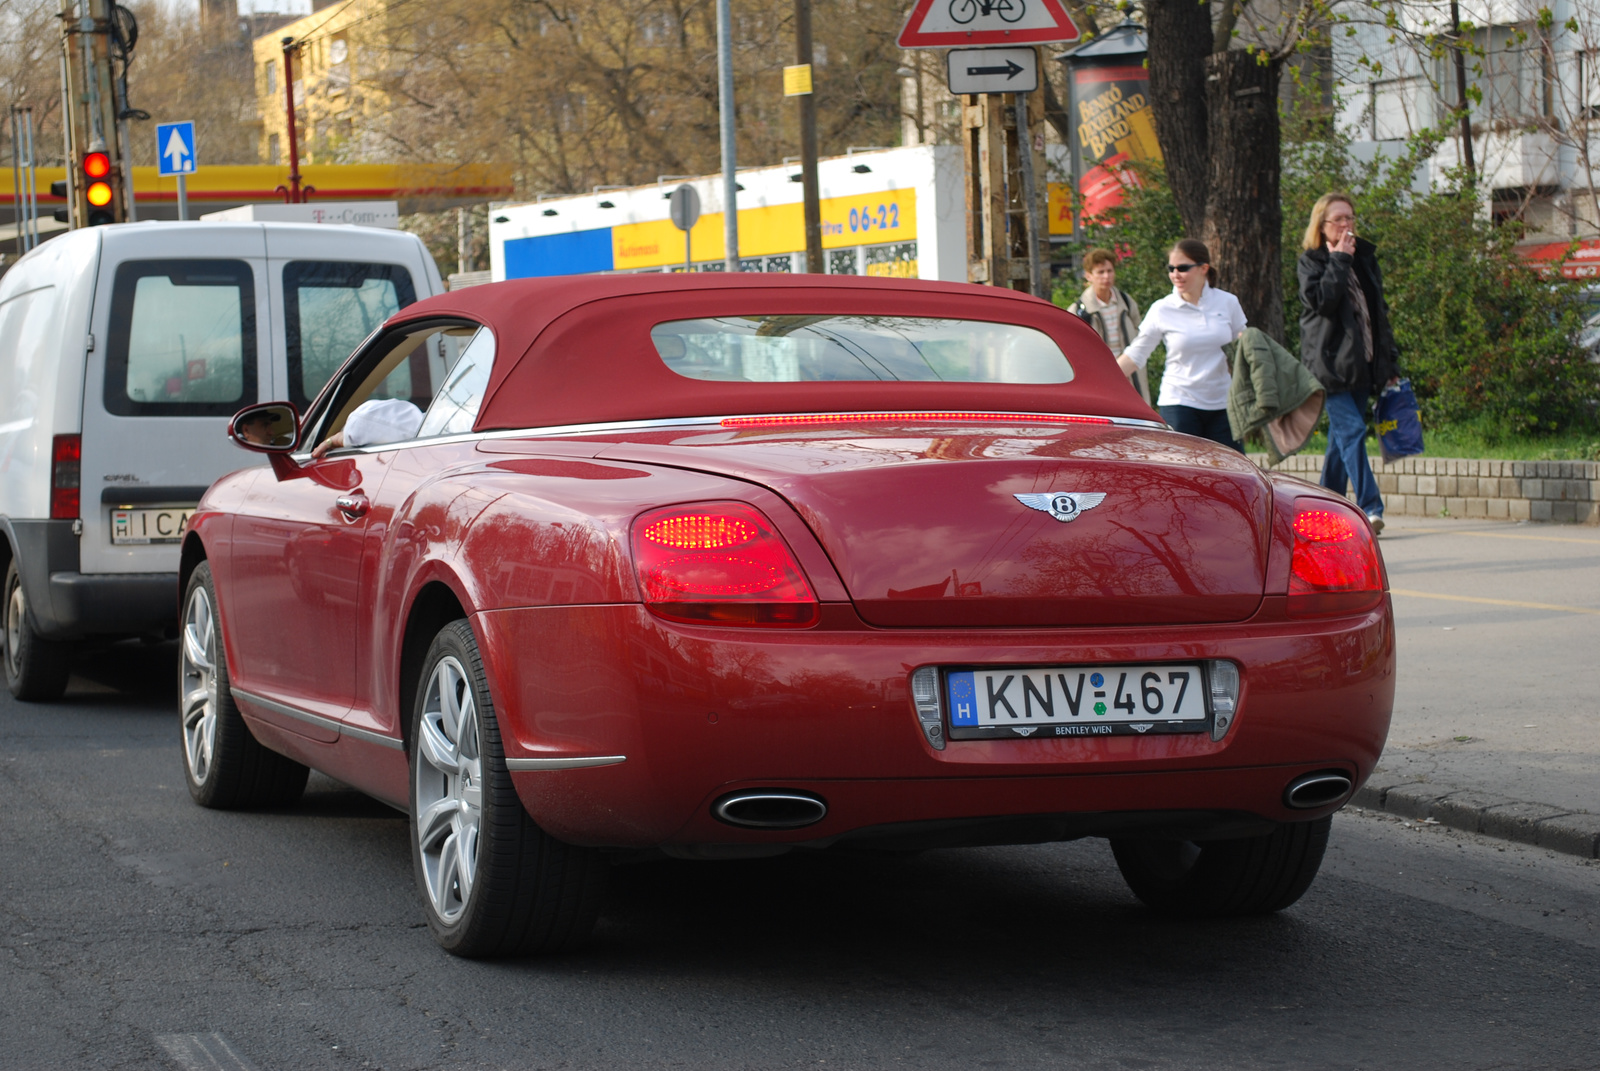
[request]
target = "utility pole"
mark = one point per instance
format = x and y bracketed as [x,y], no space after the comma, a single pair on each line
[1004,231]
[812,193]
[292,193]
[99,182]
[25,198]
[730,169]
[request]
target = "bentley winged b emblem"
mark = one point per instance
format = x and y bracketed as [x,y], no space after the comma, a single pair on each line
[1063,505]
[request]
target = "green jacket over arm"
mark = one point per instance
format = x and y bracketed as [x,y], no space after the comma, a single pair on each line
[1272,390]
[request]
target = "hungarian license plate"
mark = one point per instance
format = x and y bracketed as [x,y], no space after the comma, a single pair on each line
[1055,701]
[162,525]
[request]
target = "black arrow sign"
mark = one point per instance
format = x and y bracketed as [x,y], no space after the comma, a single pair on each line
[1010,70]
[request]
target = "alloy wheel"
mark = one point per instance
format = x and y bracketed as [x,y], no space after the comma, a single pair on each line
[449,793]
[198,684]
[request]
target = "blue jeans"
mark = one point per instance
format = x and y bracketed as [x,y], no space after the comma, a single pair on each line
[1346,460]
[1206,423]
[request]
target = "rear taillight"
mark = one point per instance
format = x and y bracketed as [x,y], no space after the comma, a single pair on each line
[1334,568]
[720,563]
[66,464]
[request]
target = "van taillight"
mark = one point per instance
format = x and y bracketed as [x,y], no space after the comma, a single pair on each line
[1334,567]
[66,463]
[720,563]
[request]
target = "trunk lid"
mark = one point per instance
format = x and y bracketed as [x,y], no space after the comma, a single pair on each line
[929,530]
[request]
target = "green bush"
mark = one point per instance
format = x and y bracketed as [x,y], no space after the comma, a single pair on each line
[1488,342]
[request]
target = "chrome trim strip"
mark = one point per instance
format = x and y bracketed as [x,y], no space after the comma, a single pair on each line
[559,430]
[527,765]
[318,720]
[371,737]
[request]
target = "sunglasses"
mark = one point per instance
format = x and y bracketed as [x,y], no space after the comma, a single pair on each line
[1184,268]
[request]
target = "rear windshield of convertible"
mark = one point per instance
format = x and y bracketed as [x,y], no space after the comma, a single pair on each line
[855,348]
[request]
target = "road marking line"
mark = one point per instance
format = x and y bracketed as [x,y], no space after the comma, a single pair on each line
[1398,529]
[203,1052]
[1542,539]
[1495,602]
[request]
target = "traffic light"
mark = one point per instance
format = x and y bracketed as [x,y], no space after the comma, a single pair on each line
[97,191]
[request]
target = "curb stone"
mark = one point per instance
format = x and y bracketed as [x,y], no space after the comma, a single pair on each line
[1569,832]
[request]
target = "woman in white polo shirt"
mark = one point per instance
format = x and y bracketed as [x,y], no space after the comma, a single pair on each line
[1195,321]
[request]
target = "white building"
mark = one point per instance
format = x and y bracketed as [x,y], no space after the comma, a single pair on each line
[1536,130]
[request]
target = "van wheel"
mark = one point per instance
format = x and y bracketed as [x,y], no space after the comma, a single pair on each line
[1246,876]
[494,883]
[36,669]
[225,766]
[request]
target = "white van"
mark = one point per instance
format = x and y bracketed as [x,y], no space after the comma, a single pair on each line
[124,351]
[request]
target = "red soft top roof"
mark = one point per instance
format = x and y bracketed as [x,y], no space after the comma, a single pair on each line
[576,349]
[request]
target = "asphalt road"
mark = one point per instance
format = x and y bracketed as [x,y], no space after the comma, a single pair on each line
[140,931]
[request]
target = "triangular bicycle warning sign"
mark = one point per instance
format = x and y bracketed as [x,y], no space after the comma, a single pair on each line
[956,23]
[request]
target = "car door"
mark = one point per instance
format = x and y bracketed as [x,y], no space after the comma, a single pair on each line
[298,616]
[460,359]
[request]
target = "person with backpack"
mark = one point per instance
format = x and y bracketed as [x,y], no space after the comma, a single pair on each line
[1113,314]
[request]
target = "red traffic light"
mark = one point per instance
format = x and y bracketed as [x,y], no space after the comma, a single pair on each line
[97,165]
[99,194]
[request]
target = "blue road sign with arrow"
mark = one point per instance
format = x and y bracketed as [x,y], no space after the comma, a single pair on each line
[175,148]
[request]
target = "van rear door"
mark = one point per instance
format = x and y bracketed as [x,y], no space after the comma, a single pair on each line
[181,340]
[336,285]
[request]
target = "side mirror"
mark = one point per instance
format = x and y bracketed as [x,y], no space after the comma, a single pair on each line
[267,428]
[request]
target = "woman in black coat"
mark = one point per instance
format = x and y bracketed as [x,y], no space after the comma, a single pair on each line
[1346,342]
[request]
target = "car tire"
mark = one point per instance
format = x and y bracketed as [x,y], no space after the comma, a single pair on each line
[1246,876]
[36,668]
[493,883]
[226,767]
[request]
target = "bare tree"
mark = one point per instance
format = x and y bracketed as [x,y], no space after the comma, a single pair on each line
[577,94]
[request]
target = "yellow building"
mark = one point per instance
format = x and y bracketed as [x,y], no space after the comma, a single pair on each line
[337,60]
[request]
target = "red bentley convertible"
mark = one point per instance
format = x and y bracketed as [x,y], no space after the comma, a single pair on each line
[723,566]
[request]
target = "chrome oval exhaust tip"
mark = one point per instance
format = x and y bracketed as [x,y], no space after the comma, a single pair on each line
[770,808]
[1317,790]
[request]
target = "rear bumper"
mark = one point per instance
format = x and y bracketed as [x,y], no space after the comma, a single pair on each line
[109,603]
[701,712]
[66,604]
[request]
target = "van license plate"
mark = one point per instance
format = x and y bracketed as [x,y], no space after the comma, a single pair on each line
[149,525]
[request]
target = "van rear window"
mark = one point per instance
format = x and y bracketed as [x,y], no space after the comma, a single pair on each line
[330,307]
[182,339]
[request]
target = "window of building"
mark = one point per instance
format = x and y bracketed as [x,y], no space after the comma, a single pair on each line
[274,149]
[270,74]
[1397,108]
[1588,62]
[338,66]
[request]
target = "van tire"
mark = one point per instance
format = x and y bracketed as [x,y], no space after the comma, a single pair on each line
[36,668]
[225,766]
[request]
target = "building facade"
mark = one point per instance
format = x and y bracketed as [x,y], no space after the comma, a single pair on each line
[340,54]
[1532,92]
